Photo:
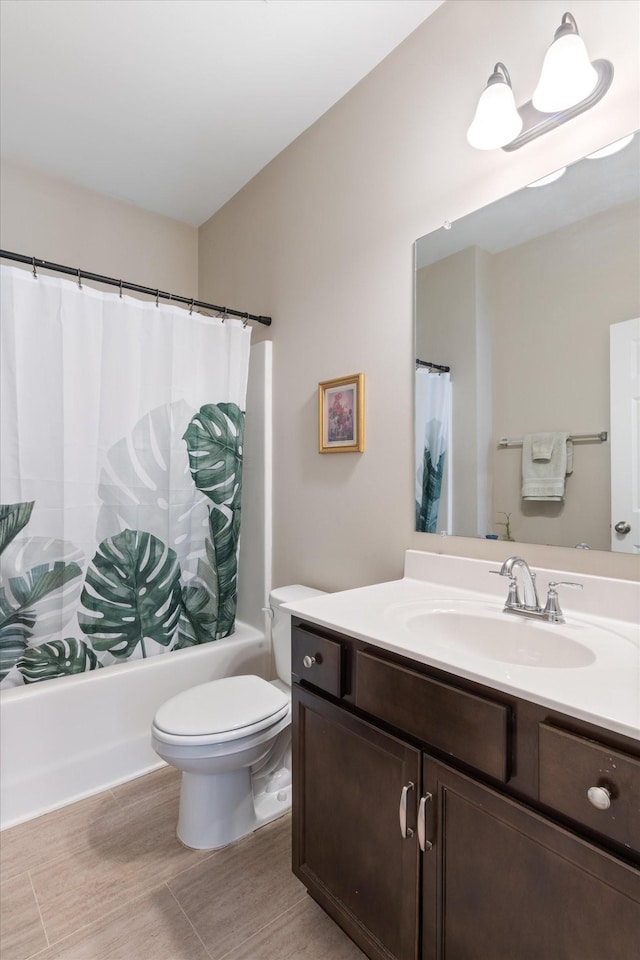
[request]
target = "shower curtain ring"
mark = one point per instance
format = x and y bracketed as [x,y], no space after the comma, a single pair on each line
[246,320]
[191,306]
[157,295]
[79,281]
[121,289]
[33,263]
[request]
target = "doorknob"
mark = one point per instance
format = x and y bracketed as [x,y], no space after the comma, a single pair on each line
[622,527]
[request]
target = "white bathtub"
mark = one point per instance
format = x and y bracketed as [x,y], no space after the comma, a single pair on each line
[62,740]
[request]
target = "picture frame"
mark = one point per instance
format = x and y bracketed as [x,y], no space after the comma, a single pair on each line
[341,415]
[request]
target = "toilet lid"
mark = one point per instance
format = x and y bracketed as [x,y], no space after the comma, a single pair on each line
[223,706]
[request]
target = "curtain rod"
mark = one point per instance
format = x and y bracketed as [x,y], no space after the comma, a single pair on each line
[124,285]
[440,368]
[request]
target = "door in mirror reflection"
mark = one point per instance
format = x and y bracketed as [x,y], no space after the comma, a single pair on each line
[625,436]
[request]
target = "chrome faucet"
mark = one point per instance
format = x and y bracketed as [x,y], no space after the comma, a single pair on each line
[530,605]
[530,593]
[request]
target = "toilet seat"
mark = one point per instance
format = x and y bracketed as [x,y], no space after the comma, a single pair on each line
[221,710]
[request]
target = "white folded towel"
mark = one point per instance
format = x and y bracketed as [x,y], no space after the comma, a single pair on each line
[547,458]
[542,445]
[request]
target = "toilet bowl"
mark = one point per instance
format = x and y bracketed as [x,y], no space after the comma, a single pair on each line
[231,738]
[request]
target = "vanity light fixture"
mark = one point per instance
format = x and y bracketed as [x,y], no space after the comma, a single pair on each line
[550,178]
[497,120]
[607,151]
[567,75]
[611,148]
[569,84]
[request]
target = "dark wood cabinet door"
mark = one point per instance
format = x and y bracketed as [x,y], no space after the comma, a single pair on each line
[347,845]
[505,883]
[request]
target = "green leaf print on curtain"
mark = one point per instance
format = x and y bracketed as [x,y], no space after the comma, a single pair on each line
[225,536]
[131,594]
[427,508]
[60,658]
[199,614]
[20,596]
[214,441]
[13,517]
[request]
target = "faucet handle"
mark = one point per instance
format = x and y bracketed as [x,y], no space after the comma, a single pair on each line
[513,597]
[552,609]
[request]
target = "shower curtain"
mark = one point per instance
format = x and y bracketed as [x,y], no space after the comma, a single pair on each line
[433,403]
[121,430]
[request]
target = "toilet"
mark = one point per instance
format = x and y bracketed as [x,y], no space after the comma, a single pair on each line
[231,738]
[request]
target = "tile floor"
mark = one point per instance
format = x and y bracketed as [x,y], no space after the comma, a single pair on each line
[106,879]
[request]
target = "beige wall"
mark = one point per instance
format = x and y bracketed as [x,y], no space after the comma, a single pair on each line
[51,219]
[322,239]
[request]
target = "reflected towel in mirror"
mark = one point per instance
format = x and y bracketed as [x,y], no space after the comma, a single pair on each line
[547,459]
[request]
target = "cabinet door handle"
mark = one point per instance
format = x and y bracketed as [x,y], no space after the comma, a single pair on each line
[405,831]
[422,822]
[308,661]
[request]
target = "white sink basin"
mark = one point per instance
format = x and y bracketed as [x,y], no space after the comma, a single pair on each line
[482,630]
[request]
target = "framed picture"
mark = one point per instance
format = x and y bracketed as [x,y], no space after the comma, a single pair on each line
[341,415]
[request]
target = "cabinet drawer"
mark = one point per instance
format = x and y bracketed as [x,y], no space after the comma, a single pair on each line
[317,661]
[471,728]
[570,765]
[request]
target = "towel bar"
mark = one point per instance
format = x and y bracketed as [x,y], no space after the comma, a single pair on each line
[601,437]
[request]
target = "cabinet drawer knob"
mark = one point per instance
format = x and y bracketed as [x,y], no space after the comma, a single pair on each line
[599,797]
[308,661]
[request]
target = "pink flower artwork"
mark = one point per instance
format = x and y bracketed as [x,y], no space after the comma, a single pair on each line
[340,415]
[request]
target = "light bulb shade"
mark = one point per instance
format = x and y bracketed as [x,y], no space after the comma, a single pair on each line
[611,148]
[567,76]
[497,120]
[550,178]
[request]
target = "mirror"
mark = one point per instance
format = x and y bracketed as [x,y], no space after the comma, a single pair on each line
[520,301]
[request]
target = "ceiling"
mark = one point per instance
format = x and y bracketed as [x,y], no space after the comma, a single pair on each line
[174,105]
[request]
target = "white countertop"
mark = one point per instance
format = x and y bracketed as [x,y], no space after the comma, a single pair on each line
[604,691]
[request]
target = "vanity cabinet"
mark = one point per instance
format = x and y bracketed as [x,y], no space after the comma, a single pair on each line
[436,819]
[348,847]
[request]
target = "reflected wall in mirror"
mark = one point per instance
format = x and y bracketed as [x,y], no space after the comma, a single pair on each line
[521,300]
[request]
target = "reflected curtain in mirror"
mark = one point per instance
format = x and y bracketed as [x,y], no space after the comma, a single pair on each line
[432,422]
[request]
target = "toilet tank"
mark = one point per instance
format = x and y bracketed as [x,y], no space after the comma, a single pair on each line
[281,624]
